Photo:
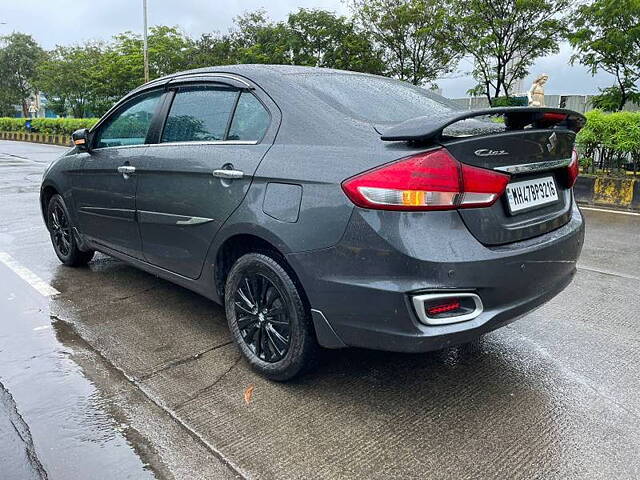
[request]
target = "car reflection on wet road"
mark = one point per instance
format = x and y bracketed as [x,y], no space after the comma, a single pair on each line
[123,375]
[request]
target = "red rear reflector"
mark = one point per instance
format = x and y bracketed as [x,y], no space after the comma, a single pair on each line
[431,180]
[573,170]
[443,308]
[553,117]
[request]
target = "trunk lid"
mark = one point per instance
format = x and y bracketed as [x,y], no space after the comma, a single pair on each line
[533,145]
[526,157]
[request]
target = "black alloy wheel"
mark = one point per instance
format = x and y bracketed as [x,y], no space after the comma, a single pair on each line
[62,236]
[60,229]
[262,318]
[268,317]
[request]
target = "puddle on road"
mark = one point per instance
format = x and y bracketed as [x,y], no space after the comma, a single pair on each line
[54,423]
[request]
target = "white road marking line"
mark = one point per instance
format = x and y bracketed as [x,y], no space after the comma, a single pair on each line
[609,211]
[28,276]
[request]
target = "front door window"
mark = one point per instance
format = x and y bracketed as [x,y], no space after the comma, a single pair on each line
[130,125]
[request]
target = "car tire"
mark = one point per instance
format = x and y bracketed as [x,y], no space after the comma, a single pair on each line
[268,319]
[62,237]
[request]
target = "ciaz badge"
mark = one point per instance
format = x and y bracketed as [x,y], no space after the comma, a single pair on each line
[485,152]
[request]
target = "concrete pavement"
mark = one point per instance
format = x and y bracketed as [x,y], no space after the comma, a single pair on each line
[554,395]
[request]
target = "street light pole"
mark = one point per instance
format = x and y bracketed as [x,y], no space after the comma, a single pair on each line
[145,53]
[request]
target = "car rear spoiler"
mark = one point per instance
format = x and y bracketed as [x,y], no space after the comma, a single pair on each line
[422,129]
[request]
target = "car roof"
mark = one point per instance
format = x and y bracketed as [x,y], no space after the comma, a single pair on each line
[259,67]
[257,73]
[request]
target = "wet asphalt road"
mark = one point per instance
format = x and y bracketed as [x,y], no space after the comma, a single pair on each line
[123,375]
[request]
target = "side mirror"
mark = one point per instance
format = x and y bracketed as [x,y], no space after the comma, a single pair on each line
[81,139]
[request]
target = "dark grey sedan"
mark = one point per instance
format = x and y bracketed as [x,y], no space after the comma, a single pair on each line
[326,208]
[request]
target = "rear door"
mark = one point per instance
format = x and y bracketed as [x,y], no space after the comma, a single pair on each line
[190,181]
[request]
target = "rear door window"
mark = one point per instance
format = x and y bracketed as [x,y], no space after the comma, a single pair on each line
[129,126]
[250,120]
[199,114]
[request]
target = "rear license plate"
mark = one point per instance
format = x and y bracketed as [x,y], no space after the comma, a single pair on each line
[531,194]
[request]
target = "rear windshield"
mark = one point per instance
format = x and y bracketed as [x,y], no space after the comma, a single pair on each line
[374,99]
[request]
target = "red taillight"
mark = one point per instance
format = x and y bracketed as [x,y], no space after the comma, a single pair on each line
[573,170]
[431,180]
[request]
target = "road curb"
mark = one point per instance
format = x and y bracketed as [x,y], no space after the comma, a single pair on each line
[617,193]
[63,140]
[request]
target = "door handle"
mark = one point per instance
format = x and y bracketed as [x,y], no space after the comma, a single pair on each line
[228,174]
[126,170]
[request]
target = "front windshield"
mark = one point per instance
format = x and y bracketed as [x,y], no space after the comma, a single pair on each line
[375,99]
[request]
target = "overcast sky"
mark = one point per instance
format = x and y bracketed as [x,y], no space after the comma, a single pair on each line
[54,22]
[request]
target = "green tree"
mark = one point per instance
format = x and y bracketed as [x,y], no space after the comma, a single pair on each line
[7,101]
[606,36]
[505,37]
[308,37]
[68,78]
[256,39]
[322,39]
[169,51]
[411,35]
[9,98]
[614,98]
[120,68]
[212,49]
[19,59]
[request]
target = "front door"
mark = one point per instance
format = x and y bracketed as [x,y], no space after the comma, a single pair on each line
[105,189]
[182,197]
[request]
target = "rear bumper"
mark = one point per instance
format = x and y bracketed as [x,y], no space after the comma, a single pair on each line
[364,285]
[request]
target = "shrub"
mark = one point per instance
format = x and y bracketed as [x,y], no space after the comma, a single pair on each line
[49,126]
[612,140]
[585,163]
[10,124]
[509,102]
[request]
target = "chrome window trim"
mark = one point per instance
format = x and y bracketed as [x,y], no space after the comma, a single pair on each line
[137,145]
[419,300]
[209,142]
[535,167]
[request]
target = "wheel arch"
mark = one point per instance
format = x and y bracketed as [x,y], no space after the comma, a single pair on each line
[238,244]
[46,192]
